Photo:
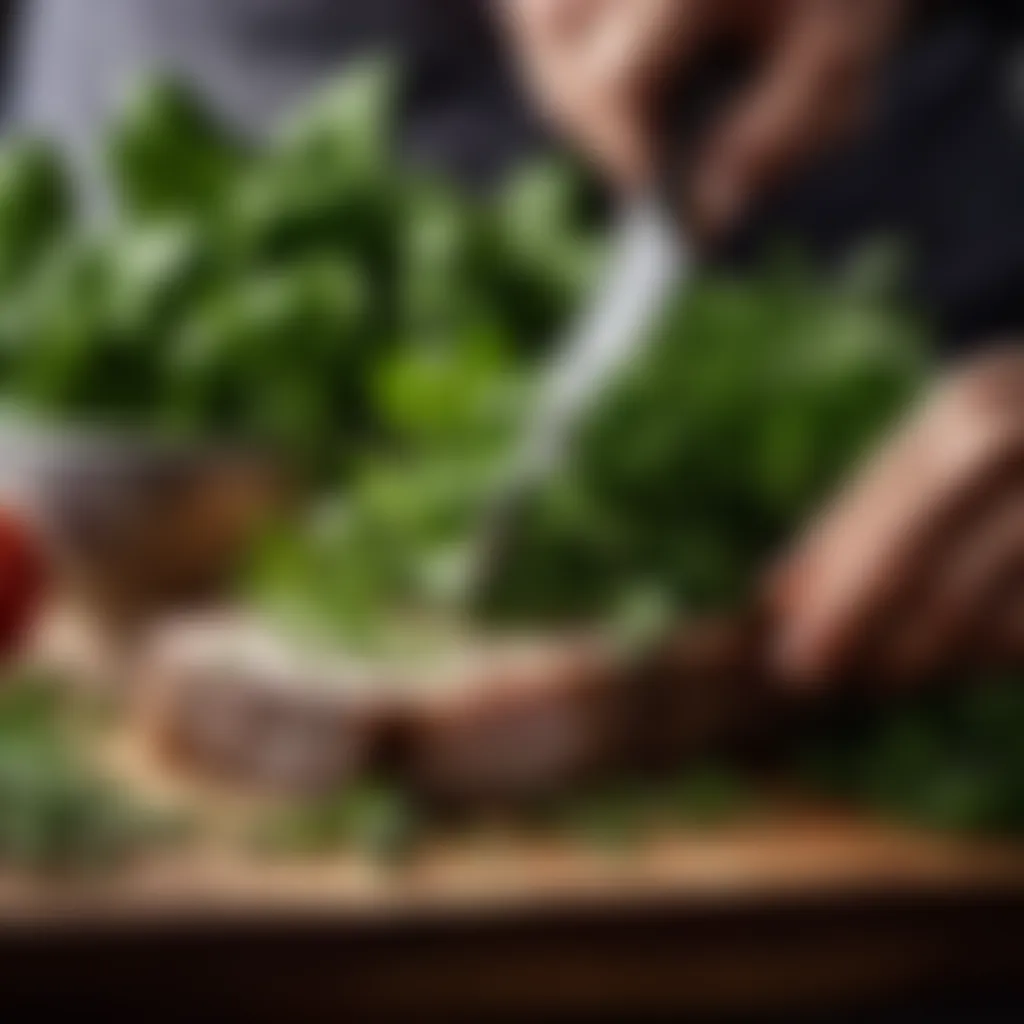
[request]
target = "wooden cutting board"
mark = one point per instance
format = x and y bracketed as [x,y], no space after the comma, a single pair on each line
[799,911]
[797,908]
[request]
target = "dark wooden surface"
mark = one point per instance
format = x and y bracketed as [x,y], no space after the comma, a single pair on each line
[811,957]
[796,917]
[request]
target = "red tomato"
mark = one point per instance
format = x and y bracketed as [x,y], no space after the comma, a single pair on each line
[22,581]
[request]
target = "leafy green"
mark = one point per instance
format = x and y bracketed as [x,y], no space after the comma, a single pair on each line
[386,824]
[290,295]
[707,455]
[56,811]
[36,205]
[695,466]
[376,820]
[616,814]
[168,154]
[952,761]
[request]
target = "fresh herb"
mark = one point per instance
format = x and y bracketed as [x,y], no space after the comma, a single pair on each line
[376,820]
[262,293]
[952,761]
[710,453]
[56,811]
[693,469]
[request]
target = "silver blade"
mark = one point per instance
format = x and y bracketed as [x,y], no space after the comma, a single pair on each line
[650,263]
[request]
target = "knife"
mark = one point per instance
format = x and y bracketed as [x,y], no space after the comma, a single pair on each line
[652,261]
[649,263]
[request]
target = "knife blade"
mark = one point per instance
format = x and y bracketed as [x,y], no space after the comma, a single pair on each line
[650,262]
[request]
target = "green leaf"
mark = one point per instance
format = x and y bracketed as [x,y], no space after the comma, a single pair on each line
[36,205]
[168,154]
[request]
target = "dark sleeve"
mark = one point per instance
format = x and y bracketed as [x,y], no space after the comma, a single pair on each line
[972,238]
[10,11]
[967,212]
[466,113]
[941,169]
[1005,13]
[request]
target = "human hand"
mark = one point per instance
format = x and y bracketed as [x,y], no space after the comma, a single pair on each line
[918,567]
[599,69]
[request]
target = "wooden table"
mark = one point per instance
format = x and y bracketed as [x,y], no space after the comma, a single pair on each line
[802,912]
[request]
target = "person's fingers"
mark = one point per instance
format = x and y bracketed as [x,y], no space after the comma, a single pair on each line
[794,578]
[949,620]
[613,137]
[975,397]
[634,44]
[593,68]
[815,84]
[875,546]
[628,55]
[549,23]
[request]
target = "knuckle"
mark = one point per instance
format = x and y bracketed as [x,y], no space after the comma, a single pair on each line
[984,449]
[994,378]
[972,434]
